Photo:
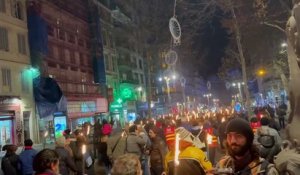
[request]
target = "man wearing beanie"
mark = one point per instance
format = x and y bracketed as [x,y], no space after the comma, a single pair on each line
[243,157]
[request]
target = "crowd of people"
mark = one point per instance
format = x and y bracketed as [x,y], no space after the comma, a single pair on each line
[167,145]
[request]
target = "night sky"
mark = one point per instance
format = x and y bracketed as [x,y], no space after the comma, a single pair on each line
[213,39]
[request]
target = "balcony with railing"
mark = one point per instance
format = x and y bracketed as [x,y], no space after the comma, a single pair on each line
[79,88]
[126,64]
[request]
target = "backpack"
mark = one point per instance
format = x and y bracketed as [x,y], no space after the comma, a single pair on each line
[266,140]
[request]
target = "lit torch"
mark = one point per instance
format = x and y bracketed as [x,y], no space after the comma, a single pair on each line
[154,122]
[223,119]
[83,151]
[88,130]
[209,139]
[177,151]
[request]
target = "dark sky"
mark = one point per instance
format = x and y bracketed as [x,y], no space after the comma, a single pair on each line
[213,41]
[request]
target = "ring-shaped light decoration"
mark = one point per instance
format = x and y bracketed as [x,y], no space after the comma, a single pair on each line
[182,81]
[175,28]
[171,57]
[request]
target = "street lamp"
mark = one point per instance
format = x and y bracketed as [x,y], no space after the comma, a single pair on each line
[207,96]
[239,84]
[284,44]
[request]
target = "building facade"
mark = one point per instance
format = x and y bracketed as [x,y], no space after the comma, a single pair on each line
[71,60]
[17,109]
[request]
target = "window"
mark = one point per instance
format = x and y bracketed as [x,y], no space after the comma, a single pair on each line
[24,83]
[22,44]
[80,42]
[71,38]
[140,64]
[106,60]
[16,9]
[55,52]
[6,79]
[3,39]
[2,6]
[67,56]
[104,38]
[61,35]
[50,30]
[141,78]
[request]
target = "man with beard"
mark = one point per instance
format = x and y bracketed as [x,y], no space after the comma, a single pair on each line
[243,157]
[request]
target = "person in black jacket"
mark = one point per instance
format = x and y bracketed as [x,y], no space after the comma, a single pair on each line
[65,159]
[10,161]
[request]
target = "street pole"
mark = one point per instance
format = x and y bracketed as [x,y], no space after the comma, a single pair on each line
[240,92]
[168,90]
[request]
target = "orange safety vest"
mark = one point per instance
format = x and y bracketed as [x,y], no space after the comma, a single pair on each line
[212,140]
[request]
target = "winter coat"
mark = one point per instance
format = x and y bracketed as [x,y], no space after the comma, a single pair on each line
[78,158]
[9,164]
[102,154]
[65,161]
[158,151]
[118,143]
[26,161]
[47,172]
[135,144]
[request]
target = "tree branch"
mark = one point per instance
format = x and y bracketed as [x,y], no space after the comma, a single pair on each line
[274,26]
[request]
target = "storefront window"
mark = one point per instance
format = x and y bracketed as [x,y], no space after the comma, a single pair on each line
[6,129]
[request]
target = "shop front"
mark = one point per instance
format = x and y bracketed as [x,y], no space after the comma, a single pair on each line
[14,122]
[82,111]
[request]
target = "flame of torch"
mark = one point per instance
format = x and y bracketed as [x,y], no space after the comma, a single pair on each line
[83,149]
[223,120]
[209,139]
[46,134]
[176,156]
[88,130]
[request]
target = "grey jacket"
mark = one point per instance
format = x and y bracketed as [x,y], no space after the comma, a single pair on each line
[65,161]
[135,144]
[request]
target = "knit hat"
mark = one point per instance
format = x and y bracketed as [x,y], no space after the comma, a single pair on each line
[264,121]
[241,126]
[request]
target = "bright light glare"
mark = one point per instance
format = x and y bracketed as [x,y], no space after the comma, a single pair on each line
[284,45]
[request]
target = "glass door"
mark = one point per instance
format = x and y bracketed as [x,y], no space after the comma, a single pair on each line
[6,130]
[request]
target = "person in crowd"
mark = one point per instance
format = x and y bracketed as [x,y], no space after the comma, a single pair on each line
[65,160]
[157,152]
[271,111]
[212,141]
[116,144]
[127,164]
[268,140]
[81,159]
[134,142]
[281,112]
[46,162]
[26,158]
[199,133]
[145,157]
[103,158]
[243,157]
[193,161]
[255,124]
[10,162]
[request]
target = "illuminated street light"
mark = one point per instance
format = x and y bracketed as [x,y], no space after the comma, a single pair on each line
[261,72]
[173,77]
[284,44]
[233,84]
[139,89]
[160,79]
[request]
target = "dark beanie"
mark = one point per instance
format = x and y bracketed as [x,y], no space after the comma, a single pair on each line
[240,126]
[264,121]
